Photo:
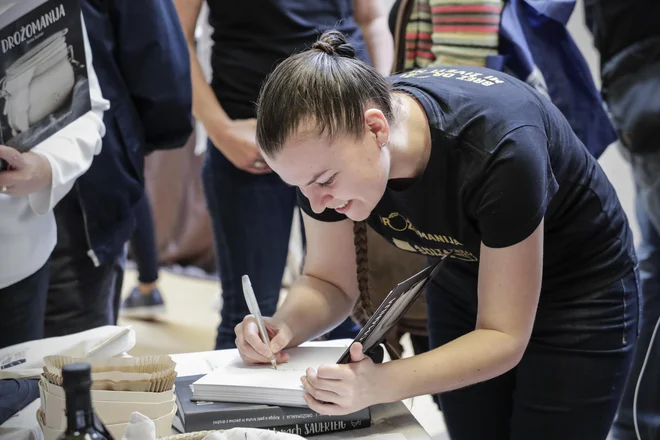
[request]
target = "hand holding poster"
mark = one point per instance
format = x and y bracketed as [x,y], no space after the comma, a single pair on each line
[43,76]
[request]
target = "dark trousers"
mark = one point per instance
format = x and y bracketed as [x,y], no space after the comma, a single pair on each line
[251,216]
[81,296]
[647,353]
[23,306]
[143,242]
[571,378]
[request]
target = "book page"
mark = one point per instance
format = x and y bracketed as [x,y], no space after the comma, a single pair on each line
[287,376]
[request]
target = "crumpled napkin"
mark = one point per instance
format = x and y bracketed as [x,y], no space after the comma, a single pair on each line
[141,427]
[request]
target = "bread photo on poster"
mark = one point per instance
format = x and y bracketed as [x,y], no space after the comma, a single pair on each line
[43,76]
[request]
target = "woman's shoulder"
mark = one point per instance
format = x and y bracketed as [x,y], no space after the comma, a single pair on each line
[465,87]
[479,106]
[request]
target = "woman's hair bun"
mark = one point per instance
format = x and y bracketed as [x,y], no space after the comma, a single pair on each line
[334,42]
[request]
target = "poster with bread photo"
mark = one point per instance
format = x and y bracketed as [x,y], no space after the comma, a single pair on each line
[43,75]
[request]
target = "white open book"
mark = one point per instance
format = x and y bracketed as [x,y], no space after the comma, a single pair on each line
[233,381]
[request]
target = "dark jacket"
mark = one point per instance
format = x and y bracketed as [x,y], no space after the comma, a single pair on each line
[140,56]
[627,36]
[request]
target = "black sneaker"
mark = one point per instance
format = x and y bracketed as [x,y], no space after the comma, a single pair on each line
[142,306]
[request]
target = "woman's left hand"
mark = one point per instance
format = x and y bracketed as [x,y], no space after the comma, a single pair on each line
[344,388]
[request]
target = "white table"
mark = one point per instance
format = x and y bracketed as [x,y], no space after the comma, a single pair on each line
[387,420]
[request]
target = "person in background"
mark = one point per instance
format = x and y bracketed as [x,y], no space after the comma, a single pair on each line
[145,300]
[29,191]
[627,35]
[141,58]
[250,207]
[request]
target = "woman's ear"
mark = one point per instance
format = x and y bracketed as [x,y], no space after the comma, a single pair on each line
[377,124]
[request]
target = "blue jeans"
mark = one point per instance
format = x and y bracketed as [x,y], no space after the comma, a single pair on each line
[648,383]
[251,216]
[571,377]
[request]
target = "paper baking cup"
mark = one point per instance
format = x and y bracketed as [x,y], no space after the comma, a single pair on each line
[144,374]
[157,366]
[151,386]
[116,396]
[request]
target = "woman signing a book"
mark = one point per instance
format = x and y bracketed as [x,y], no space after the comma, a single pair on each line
[534,318]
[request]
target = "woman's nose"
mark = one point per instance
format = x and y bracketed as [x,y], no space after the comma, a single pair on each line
[319,200]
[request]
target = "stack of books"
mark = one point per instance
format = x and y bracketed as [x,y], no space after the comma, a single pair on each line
[199,415]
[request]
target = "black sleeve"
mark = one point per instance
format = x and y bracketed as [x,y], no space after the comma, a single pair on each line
[515,189]
[152,54]
[329,215]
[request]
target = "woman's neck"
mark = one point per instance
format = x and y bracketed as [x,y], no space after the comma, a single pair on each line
[410,139]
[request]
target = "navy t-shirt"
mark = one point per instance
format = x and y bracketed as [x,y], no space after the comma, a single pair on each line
[251,37]
[503,158]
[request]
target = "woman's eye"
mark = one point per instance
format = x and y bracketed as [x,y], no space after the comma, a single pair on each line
[327,182]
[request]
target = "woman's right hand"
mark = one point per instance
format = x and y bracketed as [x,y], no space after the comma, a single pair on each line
[237,142]
[25,173]
[253,349]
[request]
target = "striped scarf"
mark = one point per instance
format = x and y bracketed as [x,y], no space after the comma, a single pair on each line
[452,32]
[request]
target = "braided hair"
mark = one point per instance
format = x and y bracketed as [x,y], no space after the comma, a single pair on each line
[362,310]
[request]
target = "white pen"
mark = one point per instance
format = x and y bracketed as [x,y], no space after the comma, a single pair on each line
[252,304]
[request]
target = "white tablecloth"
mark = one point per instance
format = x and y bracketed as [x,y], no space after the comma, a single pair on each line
[391,421]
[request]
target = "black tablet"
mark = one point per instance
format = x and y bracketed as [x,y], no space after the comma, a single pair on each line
[393,307]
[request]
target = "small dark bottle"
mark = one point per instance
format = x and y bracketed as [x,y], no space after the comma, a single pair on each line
[82,421]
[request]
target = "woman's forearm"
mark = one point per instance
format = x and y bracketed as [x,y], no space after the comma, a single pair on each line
[312,307]
[475,357]
[206,107]
[380,44]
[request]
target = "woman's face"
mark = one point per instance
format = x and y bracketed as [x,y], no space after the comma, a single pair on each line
[345,174]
